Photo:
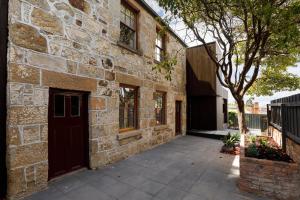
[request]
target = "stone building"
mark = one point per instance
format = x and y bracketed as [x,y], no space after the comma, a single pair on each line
[80,78]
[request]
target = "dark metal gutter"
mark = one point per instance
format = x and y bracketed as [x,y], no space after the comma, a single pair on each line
[155,15]
[3,83]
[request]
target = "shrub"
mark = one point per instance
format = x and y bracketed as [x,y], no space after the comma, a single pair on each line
[264,143]
[230,140]
[252,139]
[232,120]
[252,151]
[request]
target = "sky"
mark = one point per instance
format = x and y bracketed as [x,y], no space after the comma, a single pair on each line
[179,29]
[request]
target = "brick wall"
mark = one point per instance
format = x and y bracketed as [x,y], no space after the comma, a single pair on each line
[278,180]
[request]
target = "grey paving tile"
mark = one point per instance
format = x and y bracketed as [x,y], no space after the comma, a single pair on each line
[169,193]
[136,195]
[135,181]
[49,194]
[193,197]
[206,192]
[165,176]
[88,192]
[68,183]
[101,183]
[151,187]
[117,190]
[187,168]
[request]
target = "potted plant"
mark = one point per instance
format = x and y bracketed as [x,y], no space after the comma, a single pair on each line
[230,141]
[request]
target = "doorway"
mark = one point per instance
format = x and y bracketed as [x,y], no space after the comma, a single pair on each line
[68,132]
[178,118]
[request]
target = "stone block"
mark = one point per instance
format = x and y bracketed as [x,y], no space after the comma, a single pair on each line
[28,37]
[41,174]
[126,79]
[64,7]
[71,54]
[78,35]
[91,71]
[44,132]
[30,175]
[65,81]
[107,63]
[81,5]
[16,91]
[98,103]
[13,136]
[48,62]
[110,76]
[27,154]
[40,3]
[19,115]
[47,22]
[15,186]
[72,67]
[31,134]
[24,74]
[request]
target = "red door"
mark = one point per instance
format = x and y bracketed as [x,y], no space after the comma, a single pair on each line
[68,132]
[178,118]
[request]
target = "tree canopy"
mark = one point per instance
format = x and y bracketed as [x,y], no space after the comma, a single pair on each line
[257,38]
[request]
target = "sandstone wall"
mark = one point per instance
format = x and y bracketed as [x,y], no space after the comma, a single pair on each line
[69,45]
[292,148]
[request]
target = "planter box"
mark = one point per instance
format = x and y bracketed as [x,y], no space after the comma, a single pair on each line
[275,179]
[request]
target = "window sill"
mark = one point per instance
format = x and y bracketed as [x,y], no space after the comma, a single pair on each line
[124,46]
[161,127]
[130,136]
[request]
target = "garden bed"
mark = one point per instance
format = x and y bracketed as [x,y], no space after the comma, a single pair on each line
[264,147]
[277,177]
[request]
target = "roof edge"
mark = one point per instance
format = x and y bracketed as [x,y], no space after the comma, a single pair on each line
[154,14]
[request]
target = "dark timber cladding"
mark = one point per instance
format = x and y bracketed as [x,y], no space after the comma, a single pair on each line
[201,89]
[284,115]
[3,81]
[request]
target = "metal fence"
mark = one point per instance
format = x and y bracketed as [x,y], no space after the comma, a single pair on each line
[284,115]
[257,121]
[253,121]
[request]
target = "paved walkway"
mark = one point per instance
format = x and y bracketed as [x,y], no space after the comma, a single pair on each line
[188,168]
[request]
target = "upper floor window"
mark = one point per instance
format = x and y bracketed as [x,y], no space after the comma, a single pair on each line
[128,107]
[128,26]
[160,108]
[159,46]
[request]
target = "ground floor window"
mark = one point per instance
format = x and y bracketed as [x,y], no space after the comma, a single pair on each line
[160,107]
[128,107]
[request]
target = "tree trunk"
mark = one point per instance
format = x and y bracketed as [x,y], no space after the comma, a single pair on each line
[241,117]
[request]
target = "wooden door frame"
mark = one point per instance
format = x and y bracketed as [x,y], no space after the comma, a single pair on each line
[85,115]
[3,91]
[180,103]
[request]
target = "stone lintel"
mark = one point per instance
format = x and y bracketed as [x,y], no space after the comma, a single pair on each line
[67,81]
[126,79]
[161,88]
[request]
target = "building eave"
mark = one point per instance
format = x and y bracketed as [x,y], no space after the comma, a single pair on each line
[155,15]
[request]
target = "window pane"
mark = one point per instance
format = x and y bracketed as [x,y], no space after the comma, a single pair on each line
[59,105]
[159,47]
[127,36]
[127,108]
[75,106]
[159,41]
[160,108]
[128,17]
